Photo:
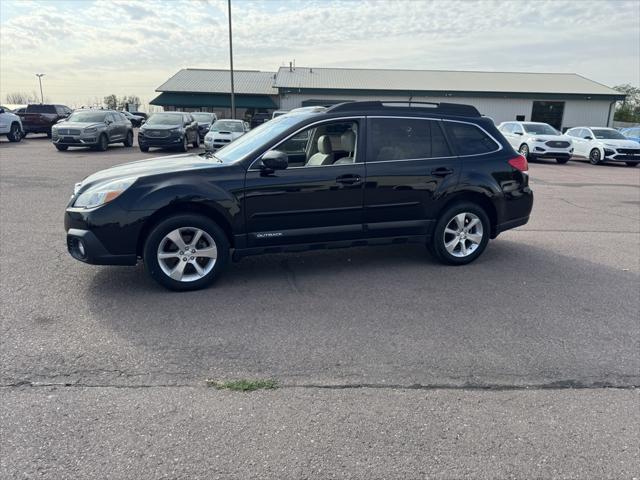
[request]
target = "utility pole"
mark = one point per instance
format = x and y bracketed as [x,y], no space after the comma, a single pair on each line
[233,99]
[40,75]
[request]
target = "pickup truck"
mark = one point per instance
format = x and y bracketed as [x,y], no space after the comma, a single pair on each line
[39,118]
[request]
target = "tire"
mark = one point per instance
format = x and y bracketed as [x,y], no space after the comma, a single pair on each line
[144,148]
[24,134]
[196,142]
[185,145]
[14,135]
[103,143]
[128,141]
[474,241]
[49,134]
[187,276]
[524,151]
[562,161]
[631,164]
[62,148]
[594,157]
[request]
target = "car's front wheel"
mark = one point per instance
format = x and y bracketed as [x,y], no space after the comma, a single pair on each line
[461,234]
[184,146]
[524,151]
[631,164]
[562,161]
[14,135]
[594,157]
[62,148]
[128,141]
[103,143]
[186,252]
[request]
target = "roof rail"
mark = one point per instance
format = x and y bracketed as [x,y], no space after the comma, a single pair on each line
[442,108]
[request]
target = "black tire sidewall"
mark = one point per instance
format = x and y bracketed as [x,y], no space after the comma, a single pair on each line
[527,155]
[128,141]
[14,134]
[196,142]
[103,143]
[144,149]
[185,220]
[562,161]
[437,242]
[62,148]
[591,159]
[184,146]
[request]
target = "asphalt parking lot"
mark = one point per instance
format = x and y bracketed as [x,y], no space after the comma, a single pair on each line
[525,363]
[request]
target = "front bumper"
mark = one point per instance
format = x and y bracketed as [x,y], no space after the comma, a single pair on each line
[84,139]
[83,245]
[543,151]
[173,140]
[621,155]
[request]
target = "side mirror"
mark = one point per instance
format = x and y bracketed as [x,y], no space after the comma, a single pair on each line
[518,133]
[143,121]
[275,160]
[588,137]
[107,121]
[1,110]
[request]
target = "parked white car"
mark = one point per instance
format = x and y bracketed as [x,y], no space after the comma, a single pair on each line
[223,132]
[600,144]
[537,140]
[10,125]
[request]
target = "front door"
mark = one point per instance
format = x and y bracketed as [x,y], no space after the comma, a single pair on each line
[409,161]
[318,198]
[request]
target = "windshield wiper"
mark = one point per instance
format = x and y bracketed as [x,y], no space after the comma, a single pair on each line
[211,155]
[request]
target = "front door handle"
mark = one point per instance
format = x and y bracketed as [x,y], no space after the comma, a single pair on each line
[348,179]
[441,172]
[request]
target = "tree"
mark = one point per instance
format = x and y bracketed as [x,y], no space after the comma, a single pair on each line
[628,110]
[21,98]
[111,101]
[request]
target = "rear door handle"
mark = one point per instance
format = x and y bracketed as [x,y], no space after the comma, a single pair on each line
[442,172]
[348,179]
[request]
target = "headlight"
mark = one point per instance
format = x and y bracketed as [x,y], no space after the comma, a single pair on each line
[176,130]
[538,139]
[90,130]
[103,193]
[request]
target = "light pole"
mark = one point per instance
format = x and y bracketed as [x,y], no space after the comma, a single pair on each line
[233,100]
[40,75]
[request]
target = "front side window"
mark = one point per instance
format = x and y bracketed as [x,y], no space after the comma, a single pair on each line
[332,143]
[405,139]
[470,139]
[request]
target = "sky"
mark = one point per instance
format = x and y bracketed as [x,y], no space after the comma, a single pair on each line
[91,48]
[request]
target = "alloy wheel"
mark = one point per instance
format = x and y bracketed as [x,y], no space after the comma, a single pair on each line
[187,254]
[594,156]
[463,234]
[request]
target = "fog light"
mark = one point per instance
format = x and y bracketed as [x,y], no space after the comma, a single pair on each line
[81,248]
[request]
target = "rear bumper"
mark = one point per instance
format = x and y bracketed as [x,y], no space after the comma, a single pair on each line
[517,222]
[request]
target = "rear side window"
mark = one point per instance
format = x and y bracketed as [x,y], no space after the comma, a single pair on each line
[470,139]
[405,139]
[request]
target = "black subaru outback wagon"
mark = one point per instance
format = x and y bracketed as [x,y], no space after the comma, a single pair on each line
[358,173]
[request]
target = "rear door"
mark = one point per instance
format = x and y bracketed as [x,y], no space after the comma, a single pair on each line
[409,163]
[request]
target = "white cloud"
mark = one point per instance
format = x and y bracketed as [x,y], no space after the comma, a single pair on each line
[92,48]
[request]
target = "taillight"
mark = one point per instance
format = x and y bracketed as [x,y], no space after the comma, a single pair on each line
[519,163]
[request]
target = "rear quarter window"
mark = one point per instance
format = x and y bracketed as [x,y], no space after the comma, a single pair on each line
[470,139]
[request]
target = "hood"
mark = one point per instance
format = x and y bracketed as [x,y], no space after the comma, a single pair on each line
[146,126]
[79,125]
[618,143]
[227,134]
[546,138]
[151,166]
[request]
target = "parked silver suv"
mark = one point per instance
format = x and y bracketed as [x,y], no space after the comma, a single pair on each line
[92,128]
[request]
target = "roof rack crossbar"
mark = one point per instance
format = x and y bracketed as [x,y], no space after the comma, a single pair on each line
[435,107]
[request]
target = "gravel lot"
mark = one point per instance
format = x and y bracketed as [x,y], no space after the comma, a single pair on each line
[384,356]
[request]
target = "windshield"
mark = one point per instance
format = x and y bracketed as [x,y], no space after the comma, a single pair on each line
[227,126]
[257,137]
[165,119]
[540,129]
[606,134]
[202,117]
[87,117]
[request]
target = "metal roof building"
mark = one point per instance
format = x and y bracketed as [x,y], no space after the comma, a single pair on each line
[210,90]
[560,99]
[563,100]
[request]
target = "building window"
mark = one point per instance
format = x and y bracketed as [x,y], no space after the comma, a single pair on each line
[548,112]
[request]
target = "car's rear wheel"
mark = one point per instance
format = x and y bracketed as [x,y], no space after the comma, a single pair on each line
[128,141]
[14,135]
[594,157]
[186,252]
[631,164]
[461,234]
[562,161]
[524,151]
[62,148]
[103,143]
